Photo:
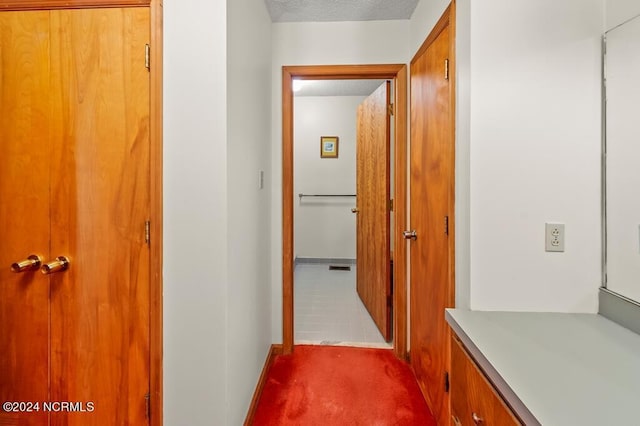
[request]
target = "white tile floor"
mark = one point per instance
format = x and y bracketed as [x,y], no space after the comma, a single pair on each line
[327,309]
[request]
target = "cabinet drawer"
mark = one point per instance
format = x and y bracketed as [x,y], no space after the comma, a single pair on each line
[473,399]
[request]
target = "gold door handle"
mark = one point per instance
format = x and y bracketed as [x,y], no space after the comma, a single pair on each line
[355,210]
[31,263]
[61,263]
[477,419]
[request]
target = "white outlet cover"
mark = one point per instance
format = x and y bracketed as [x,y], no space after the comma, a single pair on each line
[554,237]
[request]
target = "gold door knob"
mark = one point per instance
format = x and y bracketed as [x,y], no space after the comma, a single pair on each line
[355,210]
[31,263]
[61,263]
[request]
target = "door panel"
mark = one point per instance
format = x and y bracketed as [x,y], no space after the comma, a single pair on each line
[100,202]
[24,211]
[372,186]
[431,176]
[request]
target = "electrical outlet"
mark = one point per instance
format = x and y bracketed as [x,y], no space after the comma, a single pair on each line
[554,236]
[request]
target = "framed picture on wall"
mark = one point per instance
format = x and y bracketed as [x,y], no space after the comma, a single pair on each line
[328,147]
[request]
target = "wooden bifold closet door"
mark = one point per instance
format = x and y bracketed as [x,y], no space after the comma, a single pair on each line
[74,182]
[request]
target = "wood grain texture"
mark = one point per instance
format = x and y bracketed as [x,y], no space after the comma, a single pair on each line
[471,393]
[396,72]
[156,200]
[25,111]
[373,132]
[431,200]
[287,212]
[100,201]
[68,4]
[400,217]
[347,72]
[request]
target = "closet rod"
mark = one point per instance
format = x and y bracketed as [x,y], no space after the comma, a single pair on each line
[326,195]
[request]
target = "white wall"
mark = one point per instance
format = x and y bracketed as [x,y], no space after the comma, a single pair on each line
[216,265]
[619,11]
[248,206]
[535,153]
[424,17]
[195,213]
[325,227]
[371,42]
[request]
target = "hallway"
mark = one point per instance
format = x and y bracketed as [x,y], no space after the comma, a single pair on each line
[329,385]
[327,309]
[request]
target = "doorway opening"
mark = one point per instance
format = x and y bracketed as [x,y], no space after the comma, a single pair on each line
[394,303]
[335,299]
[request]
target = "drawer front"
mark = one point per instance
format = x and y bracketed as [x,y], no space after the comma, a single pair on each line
[473,399]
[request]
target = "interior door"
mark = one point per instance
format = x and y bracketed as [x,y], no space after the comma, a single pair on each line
[431,178]
[373,226]
[25,105]
[75,182]
[100,203]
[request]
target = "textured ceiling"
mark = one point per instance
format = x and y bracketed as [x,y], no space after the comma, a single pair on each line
[337,87]
[339,10]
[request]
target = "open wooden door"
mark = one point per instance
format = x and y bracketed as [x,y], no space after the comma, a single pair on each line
[431,215]
[373,210]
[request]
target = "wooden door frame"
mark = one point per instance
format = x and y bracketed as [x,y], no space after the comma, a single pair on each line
[6,5]
[155,200]
[397,73]
[156,208]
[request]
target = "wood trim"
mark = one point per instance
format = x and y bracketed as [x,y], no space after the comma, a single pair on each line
[287,211]
[451,296]
[156,200]
[452,189]
[6,5]
[400,218]
[398,73]
[273,352]
[344,72]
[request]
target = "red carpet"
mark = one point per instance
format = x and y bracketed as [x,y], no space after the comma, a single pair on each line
[328,385]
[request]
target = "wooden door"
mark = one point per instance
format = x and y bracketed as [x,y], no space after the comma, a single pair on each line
[25,106]
[75,182]
[431,180]
[100,202]
[372,188]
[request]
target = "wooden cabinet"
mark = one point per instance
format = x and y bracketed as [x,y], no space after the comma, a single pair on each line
[474,401]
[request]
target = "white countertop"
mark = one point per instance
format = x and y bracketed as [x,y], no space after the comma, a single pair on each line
[556,369]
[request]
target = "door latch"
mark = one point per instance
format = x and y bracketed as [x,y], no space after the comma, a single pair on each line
[410,235]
